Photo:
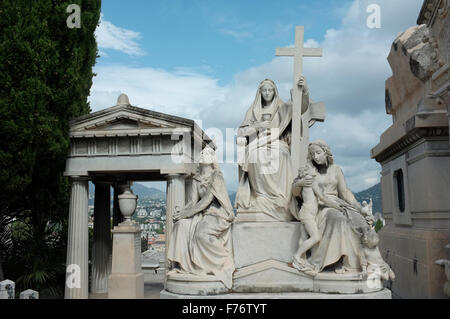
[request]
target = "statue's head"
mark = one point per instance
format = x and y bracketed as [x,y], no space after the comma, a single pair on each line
[319,153]
[268,90]
[208,158]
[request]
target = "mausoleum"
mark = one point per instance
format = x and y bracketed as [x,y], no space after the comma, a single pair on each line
[112,148]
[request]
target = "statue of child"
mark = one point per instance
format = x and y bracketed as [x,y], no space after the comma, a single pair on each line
[307,216]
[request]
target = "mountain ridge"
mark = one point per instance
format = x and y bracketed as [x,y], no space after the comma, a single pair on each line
[143,191]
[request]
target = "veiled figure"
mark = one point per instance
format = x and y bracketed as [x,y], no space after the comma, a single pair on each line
[265,170]
[200,242]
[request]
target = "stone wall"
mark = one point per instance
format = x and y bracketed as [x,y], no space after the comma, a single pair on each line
[415,156]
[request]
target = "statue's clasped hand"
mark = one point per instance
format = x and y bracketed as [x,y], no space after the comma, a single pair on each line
[178,214]
[261,126]
[306,181]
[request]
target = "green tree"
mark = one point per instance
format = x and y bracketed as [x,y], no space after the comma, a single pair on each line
[160,229]
[378,225]
[45,79]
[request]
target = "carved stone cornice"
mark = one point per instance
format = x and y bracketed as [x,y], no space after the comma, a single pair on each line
[428,12]
[409,139]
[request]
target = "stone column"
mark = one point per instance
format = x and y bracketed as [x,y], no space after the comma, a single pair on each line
[189,184]
[101,249]
[175,197]
[78,241]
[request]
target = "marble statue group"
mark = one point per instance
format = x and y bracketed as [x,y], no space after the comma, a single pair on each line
[291,188]
[336,232]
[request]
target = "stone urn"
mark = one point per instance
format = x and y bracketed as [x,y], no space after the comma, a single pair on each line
[127,205]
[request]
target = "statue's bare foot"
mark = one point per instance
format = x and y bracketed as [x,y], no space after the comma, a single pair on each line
[304,267]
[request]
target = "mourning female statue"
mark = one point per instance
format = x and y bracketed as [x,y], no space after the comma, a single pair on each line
[265,173]
[200,242]
[342,223]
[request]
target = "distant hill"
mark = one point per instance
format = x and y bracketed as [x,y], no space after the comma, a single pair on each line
[147,192]
[142,191]
[375,193]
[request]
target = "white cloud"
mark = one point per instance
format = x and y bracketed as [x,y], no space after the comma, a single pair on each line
[112,37]
[350,79]
[240,35]
[182,93]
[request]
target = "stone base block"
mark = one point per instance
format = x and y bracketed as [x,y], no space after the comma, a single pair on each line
[126,286]
[247,216]
[263,252]
[383,294]
[256,242]
[187,284]
[277,277]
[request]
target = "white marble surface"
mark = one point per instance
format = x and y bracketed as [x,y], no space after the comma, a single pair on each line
[383,294]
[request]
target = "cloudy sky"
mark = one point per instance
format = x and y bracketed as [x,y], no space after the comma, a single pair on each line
[203,60]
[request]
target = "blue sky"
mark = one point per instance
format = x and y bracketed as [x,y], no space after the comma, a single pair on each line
[203,60]
[219,38]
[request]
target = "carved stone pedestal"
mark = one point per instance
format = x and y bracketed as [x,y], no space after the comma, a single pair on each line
[126,280]
[382,294]
[249,216]
[187,284]
[262,255]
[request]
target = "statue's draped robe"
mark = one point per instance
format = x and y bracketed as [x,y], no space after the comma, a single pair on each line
[201,245]
[338,239]
[265,176]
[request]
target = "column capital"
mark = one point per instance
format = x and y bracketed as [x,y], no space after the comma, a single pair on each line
[79,178]
[175,175]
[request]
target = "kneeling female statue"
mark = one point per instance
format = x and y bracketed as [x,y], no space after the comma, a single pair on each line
[200,242]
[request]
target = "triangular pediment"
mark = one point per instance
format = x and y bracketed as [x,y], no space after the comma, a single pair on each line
[123,122]
[126,119]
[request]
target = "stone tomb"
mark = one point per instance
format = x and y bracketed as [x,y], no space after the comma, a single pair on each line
[29,294]
[415,155]
[7,289]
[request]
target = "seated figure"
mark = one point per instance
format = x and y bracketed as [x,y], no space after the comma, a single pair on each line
[200,242]
[338,245]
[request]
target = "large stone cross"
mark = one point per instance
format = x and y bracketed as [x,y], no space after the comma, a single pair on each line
[301,124]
